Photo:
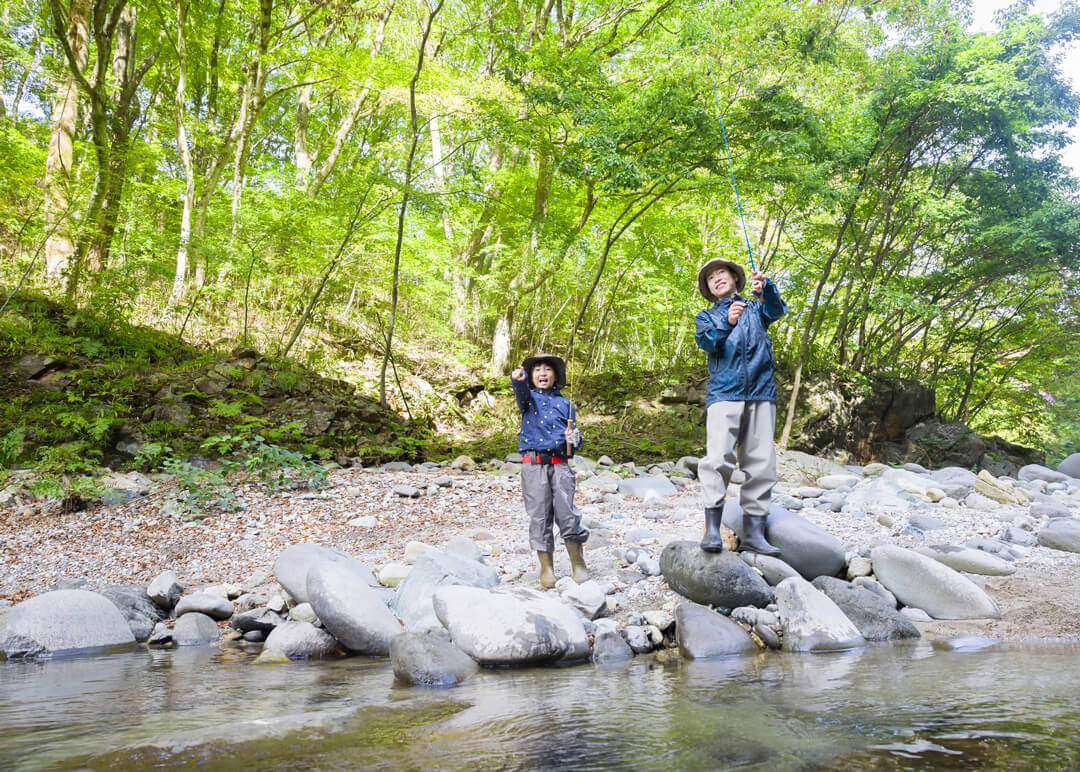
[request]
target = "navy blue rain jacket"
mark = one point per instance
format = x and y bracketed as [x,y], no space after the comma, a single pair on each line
[740,357]
[544,413]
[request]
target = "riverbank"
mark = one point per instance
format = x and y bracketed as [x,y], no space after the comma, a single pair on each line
[371,514]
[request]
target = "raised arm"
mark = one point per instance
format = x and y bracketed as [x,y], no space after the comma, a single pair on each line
[519,380]
[772,305]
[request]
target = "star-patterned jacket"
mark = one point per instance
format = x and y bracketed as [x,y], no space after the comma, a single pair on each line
[544,413]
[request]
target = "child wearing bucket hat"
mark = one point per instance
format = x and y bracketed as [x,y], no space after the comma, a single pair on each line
[740,401]
[546,441]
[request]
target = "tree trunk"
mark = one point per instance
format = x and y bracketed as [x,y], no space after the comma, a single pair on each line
[180,280]
[60,246]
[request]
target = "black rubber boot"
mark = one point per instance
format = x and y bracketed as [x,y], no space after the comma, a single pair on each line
[753,539]
[713,541]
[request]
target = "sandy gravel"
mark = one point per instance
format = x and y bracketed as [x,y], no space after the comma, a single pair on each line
[133,542]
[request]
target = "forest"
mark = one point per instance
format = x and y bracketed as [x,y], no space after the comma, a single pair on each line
[364,187]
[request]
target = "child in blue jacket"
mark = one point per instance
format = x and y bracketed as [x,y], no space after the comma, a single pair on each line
[740,402]
[547,439]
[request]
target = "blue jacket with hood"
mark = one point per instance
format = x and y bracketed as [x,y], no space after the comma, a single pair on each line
[740,356]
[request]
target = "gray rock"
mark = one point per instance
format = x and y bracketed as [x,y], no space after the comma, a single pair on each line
[408,491]
[1062,534]
[165,590]
[768,636]
[588,598]
[879,495]
[997,547]
[292,567]
[648,565]
[955,475]
[603,484]
[874,586]
[1049,509]
[969,560]
[262,619]
[1014,535]
[809,549]
[205,603]
[1070,466]
[641,536]
[301,640]
[64,622]
[1031,472]
[194,629]
[510,626]
[609,648]
[160,635]
[647,488]
[141,613]
[432,570]
[925,522]
[920,581]
[688,463]
[712,578]
[980,502]
[702,633]
[750,616]
[874,617]
[303,612]
[398,466]
[916,614]
[658,618]
[812,622]
[254,636]
[429,660]
[464,548]
[638,639]
[773,569]
[351,611]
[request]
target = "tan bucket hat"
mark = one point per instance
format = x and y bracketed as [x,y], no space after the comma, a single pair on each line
[557,364]
[712,265]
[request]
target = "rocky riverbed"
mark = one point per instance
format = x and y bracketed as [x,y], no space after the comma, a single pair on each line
[892,552]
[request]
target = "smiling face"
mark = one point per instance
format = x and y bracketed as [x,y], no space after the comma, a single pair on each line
[543,376]
[721,283]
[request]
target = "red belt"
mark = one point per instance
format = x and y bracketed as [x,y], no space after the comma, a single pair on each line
[543,458]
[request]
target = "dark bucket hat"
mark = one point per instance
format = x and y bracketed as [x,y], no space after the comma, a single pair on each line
[556,364]
[712,265]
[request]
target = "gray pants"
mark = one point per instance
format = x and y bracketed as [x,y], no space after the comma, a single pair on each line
[745,428]
[549,498]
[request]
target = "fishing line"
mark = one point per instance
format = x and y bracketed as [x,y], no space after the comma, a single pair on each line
[731,169]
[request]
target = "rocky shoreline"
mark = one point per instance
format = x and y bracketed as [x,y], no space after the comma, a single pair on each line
[440,551]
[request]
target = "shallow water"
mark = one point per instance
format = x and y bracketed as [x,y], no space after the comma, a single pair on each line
[907,706]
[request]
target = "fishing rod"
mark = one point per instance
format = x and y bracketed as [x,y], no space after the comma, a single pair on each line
[755,286]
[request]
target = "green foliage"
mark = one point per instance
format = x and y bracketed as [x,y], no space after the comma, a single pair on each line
[11,445]
[151,455]
[205,491]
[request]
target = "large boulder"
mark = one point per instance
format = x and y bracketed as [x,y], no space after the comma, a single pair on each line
[510,627]
[301,640]
[712,578]
[920,581]
[702,633]
[292,567]
[969,560]
[1062,534]
[194,629]
[1032,472]
[935,442]
[773,569]
[433,570]
[207,603]
[956,481]
[141,613]
[64,622]
[808,548]
[1070,466]
[165,589]
[812,622]
[875,618]
[351,611]
[429,660]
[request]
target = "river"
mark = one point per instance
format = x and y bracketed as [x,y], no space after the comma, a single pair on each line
[966,704]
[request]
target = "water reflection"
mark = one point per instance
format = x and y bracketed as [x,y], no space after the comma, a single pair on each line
[905,706]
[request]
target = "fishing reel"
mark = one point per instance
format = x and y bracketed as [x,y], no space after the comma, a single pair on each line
[575,436]
[757,289]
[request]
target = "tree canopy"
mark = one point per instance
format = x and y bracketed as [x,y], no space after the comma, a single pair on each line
[487,179]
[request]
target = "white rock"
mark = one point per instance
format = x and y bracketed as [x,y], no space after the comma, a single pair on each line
[812,622]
